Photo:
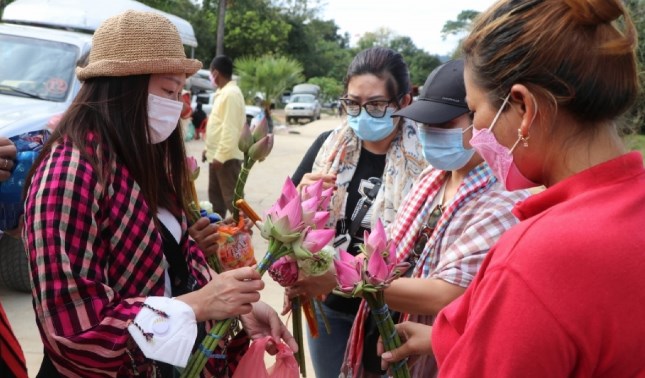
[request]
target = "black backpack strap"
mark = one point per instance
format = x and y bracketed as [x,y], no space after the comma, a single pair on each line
[369,200]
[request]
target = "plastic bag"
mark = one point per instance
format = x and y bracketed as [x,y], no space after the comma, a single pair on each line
[252,364]
[28,145]
[234,246]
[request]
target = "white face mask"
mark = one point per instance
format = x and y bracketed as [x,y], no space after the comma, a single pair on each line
[163,117]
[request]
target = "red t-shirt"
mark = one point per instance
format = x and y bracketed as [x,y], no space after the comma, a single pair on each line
[562,293]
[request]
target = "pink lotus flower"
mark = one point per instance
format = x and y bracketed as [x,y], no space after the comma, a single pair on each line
[312,191]
[284,223]
[312,241]
[284,271]
[319,219]
[325,198]
[348,271]
[288,192]
[375,241]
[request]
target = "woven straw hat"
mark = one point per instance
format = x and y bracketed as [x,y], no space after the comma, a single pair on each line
[137,43]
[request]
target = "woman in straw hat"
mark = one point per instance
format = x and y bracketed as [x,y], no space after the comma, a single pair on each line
[120,289]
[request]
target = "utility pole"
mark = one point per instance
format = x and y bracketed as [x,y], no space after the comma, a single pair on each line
[220,27]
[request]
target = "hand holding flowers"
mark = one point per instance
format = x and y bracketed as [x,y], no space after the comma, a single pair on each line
[367,275]
[294,227]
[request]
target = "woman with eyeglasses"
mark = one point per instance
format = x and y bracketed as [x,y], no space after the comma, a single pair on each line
[372,159]
[561,293]
[446,224]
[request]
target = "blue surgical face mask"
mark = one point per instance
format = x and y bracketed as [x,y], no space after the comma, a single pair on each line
[444,148]
[372,129]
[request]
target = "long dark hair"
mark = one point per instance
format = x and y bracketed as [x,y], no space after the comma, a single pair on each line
[115,111]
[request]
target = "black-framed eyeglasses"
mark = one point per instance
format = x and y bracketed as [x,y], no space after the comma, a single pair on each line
[376,108]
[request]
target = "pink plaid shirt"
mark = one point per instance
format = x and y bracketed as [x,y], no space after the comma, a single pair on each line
[470,224]
[95,255]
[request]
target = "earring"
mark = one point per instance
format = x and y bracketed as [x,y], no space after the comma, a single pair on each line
[524,139]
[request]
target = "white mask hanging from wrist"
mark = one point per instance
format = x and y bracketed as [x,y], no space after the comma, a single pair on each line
[163,117]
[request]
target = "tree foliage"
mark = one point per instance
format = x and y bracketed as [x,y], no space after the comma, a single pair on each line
[330,88]
[268,75]
[459,26]
[420,63]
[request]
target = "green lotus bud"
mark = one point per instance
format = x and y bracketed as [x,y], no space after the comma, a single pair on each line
[246,139]
[261,149]
[260,130]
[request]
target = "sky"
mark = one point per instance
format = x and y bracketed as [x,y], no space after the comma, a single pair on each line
[421,20]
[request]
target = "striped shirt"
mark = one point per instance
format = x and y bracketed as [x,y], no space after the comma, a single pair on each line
[95,255]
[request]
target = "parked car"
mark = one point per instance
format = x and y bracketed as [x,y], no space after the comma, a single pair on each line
[200,82]
[41,44]
[302,106]
[206,99]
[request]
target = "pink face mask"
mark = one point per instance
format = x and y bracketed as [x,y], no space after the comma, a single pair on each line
[499,157]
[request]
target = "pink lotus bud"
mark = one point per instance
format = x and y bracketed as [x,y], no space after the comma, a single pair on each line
[313,191]
[347,274]
[376,241]
[193,167]
[377,271]
[320,219]
[284,271]
[260,130]
[261,149]
[288,192]
[246,139]
[315,240]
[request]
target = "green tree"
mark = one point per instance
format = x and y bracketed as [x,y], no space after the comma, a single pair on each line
[318,46]
[380,37]
[268,75]
[3,4]
[420,63]
[256,30]
[330,88]
[459,27]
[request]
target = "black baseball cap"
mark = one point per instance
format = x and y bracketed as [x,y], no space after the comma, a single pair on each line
[443,96]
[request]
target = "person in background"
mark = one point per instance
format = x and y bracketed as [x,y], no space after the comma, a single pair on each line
[12,359]
[372,159]
[186,116]
[222,136]
[446,224]
[199,121]
[560,294]
[120,288]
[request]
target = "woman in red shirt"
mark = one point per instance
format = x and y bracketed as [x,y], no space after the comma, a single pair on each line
[561,293]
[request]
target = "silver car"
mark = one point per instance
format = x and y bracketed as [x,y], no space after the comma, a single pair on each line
[302,106]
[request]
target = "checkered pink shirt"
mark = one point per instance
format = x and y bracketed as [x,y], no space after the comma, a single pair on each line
[468,227]
[95,255]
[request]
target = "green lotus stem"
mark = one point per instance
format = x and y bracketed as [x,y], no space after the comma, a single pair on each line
[386,329]
[220,330]
[239,185]
[296,313]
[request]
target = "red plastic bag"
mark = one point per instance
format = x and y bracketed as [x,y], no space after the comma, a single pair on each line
[252,363]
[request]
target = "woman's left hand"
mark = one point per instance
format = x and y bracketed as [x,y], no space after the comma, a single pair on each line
[313,286]
[264,321]
[205,235]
